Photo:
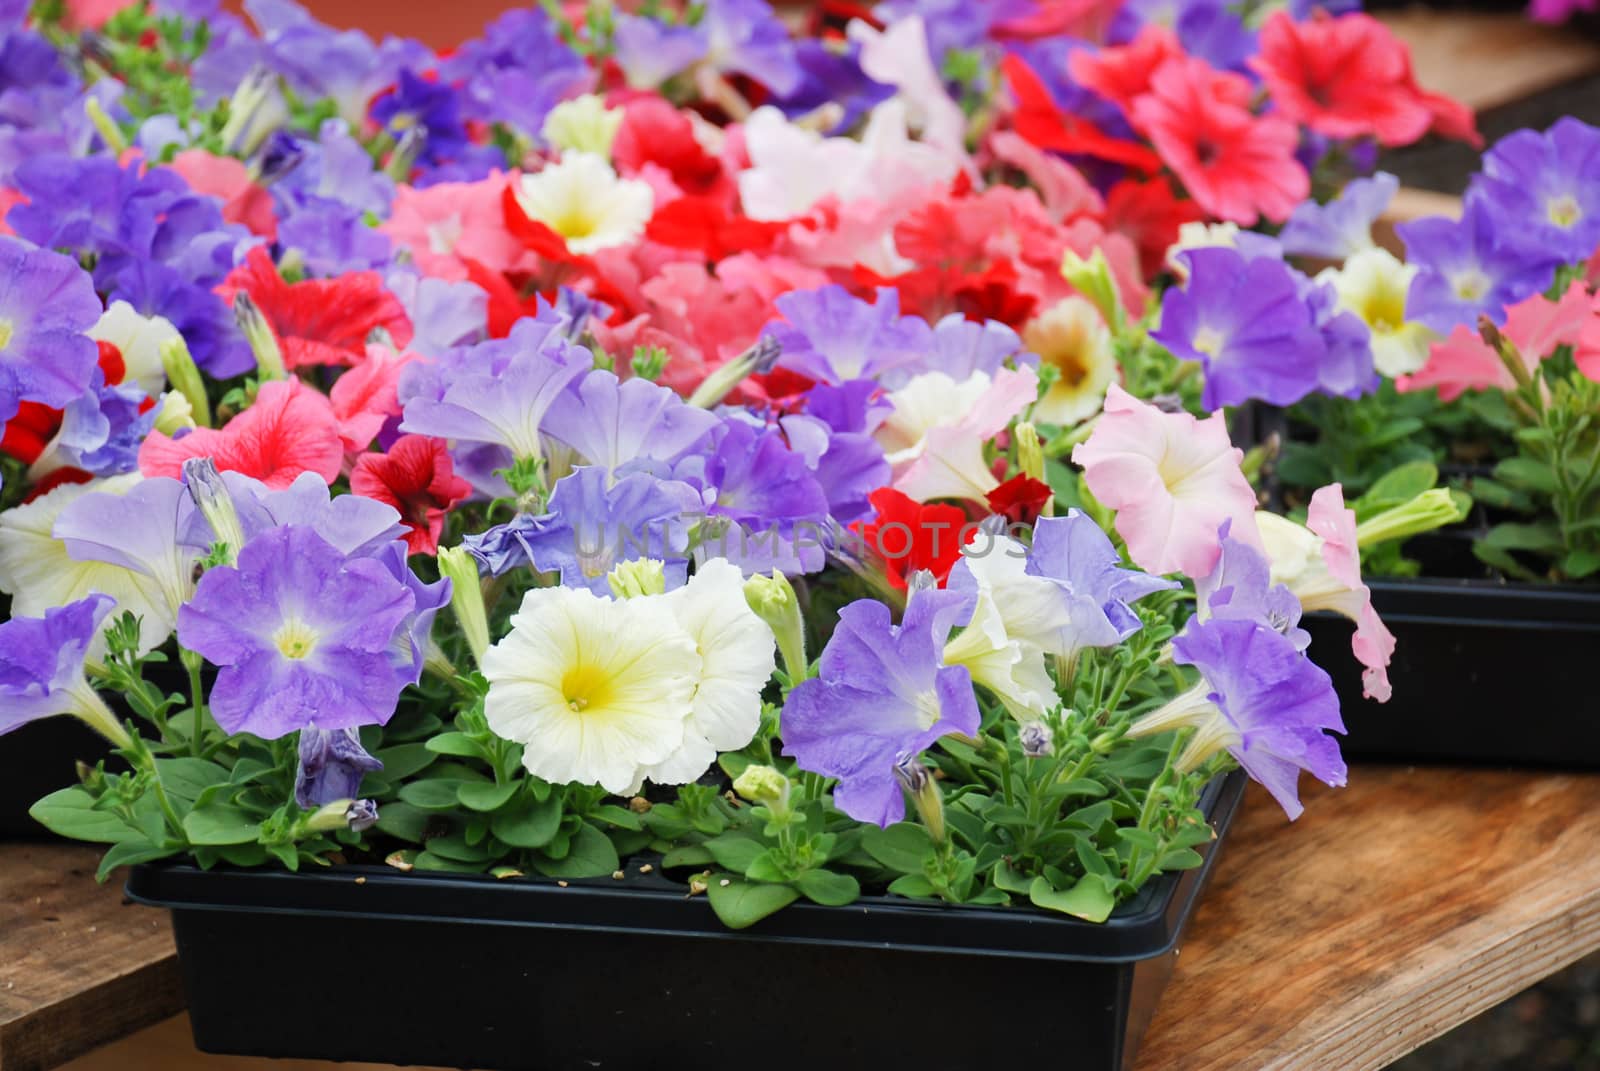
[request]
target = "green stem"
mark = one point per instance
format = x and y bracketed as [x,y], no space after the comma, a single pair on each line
[197,702]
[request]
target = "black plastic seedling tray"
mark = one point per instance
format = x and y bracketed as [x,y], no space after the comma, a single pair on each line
[36,760]
[1483,672]
[365,963]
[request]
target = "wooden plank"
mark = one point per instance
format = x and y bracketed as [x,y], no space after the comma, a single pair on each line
[78,967]
[168,1047]
[1486,60]
[1409,204]
[1393,911]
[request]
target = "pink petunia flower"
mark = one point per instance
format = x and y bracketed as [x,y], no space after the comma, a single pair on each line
[229,181]
[367,396]
[450,223]
[289,430]
[1536,326]
[1172,479]
[1373,643]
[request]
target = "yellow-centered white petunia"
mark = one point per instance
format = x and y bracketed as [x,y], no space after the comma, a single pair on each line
[1374,285]
[1072,337]
[582,199]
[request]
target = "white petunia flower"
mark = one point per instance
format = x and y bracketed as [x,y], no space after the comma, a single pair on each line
[935,435]
[1072,337]
[1374,285]
[582,199]
[139,338]
[1010,668]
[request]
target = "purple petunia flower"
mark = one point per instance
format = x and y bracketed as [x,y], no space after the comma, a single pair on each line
[609,423]
[959,347]
[432,107]
[1346,369]
[883,696]
[592,525]
[102,429]
[205,322]
[332,766]
[1343,226]
[746,37]
[352,524]
[1205,28]
[446,315]
[41,665]
[517,71]
[1245,321]
[831,336]
[302,633]
[46,304]
[650,51]
[847,465]
[333,238]
[1543,190]
[1466,268]
[833,77]
[1262,701]
[1240,588]
[496,392]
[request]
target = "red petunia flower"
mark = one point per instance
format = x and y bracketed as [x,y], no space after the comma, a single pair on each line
[367,396]
[289,430]
[1122,73]
[1236,165]
[416,478]
[1149,214]
[907,535]
[319,321]
[707,225]
[653,132]
[1039,120]
[1021,499]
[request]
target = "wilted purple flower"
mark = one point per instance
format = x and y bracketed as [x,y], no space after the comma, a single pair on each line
[833,77]
[101,430]
[332,766]
[205,322]
[1543,190]
[1343,226]
[609,423]
[46,304]
[1467,268]
[1240,588]
[593,524]
[41,667]
[1259,699]
[517,71]
[303,635]
[831,336]
[883,696]
[746,37]
[1245,321]
[497,392]
[445,314]
[650,51]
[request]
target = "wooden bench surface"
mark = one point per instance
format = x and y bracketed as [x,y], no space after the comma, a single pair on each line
[1392,911]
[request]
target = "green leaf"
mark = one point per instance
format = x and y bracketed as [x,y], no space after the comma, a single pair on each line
[130,852]
[432,794]
[735,851]
[458,744]
[70,813]
[184,779]
[1088,899]
[1581,564]
[1540,538]
[688,855]
[904,846]
[404,760]
[429,861]
[247,770]
[1526,472]
[590,855]
[485,796]
[455,847]
[828,888]
[612,815]
[741,904]
[769,866]
[531,826]
[914,886]
[221,823]
[403,821]
[734,763]
[1010,879]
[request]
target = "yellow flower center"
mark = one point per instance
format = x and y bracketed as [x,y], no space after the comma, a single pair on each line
[1384,307]
[586,685]
[6,331]
[295,639]
[1208,341]
[1471,285]
[574,219]
[1563,211]
[928,709]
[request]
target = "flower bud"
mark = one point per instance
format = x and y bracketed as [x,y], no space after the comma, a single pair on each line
[174,415]
[185,377]
[108,130]
[925,795]
[1037,740]
[584,124]
[255,109]
[405,154]
[637,578]
[354,815]
[1093,279]
[259,333]
[1433,508]
[211,495]
[774,601]
[466,598]
[763,784]
[332,765]
[1030,453]
[757,360]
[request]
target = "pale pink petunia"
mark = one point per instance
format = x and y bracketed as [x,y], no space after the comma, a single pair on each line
[1373,643]
[367,395]
[228,180]
[935,434]
[450,223]
[1172,479]
[1537,326]
[1062,187]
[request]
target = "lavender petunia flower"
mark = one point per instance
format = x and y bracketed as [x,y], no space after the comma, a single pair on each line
[847,465]
[333,238]
[1543,190]
[352,524]
[1205,28]
[497,392]
[446,315]
[1245,322]
[1346,368]
[41,666]
[1343,226]
[883,696]
[832,336]
[962,347]
[1240,588]
[650,51]
[609,423]
[746,37]
[833,77]
[46,304]
[1467,269]
[332,766]
[517,71]
[955,24]
[102,429]
[592,525]
[410,648]
[303,635]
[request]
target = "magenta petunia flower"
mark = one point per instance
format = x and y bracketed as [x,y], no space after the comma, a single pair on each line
[304,636]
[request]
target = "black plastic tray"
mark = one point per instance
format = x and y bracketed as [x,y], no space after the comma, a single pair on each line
[364,963]
[1483,672]
[36,760]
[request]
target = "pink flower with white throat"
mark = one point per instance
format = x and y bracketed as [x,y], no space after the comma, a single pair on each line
[1172,479]
[935,435]
[1320,562]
